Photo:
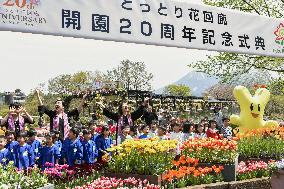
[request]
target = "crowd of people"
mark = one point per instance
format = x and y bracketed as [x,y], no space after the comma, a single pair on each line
[87,145]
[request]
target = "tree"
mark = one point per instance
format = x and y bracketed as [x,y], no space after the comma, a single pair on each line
[69,84]
[221,91]
[276,104]
[132,75]
[229,65]
[177,90]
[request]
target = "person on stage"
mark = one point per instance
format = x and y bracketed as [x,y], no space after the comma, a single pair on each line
[59,120]
[16,119]
[123,116]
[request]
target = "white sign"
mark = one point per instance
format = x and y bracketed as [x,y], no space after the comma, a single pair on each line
[153,22]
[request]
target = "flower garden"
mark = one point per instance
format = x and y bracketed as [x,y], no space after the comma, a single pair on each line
[137,163]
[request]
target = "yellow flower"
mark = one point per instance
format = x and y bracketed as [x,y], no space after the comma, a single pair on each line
[122,155]
[127,150]
[152,151]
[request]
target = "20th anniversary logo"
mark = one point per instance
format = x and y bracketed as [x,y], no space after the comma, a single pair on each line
[21,12]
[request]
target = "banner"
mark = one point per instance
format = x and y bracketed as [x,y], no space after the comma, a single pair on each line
[152,22]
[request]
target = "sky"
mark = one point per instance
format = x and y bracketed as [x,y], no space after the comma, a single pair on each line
[30,59]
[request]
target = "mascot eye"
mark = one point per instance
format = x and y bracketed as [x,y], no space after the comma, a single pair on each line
[251,107]
[259,107]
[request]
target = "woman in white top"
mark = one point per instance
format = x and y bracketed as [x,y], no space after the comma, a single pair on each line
[188,131]
[176,134]
[200,132]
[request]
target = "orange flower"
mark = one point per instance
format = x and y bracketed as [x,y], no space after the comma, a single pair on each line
[191,169]
[195,162]
[196,173]
[217,170]
[182,160]
[176,163]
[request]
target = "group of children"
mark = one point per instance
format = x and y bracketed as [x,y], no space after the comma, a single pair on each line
[85,147]
[81,148]
[182,131]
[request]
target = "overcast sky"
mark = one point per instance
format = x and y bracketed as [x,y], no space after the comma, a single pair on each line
[29,59]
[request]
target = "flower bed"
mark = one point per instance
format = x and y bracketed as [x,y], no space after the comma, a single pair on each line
[113,183]
[210,150]
[144,157]
[263,144]
[252,169]
[187,173]
[30,179]
[261,147]
[63,176]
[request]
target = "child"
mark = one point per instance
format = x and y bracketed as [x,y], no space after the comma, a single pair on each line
[35,144]
[226,130]
[93,128]
[125,134]
[212,132]
[145,130]
[57,142]
[154,130]
[133,132]
[11,143]
[5,154]
[176,134]
[72,151]
[24,156]
[90,152]
[103,142]
[50,152]
[162,133]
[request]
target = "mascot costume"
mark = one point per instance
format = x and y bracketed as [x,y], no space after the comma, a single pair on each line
[251,109]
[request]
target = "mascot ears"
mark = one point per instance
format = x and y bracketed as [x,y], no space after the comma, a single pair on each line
[243,95]
[263,95]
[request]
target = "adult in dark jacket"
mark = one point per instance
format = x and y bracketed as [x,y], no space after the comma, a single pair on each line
[123,116]
[59,119]
[16,119]
[149,116]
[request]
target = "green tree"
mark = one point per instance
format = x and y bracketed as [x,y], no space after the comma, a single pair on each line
[132,75]
[227,66]
[276,104]
[177,90]
[32,103]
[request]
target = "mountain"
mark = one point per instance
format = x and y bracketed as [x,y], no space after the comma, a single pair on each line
[197,81]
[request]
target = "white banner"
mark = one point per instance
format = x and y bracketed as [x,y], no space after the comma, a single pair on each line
[154,22]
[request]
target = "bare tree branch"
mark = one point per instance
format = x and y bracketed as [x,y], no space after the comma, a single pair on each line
[253,8]
[267,8]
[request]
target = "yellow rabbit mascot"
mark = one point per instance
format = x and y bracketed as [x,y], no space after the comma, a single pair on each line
[252,109]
